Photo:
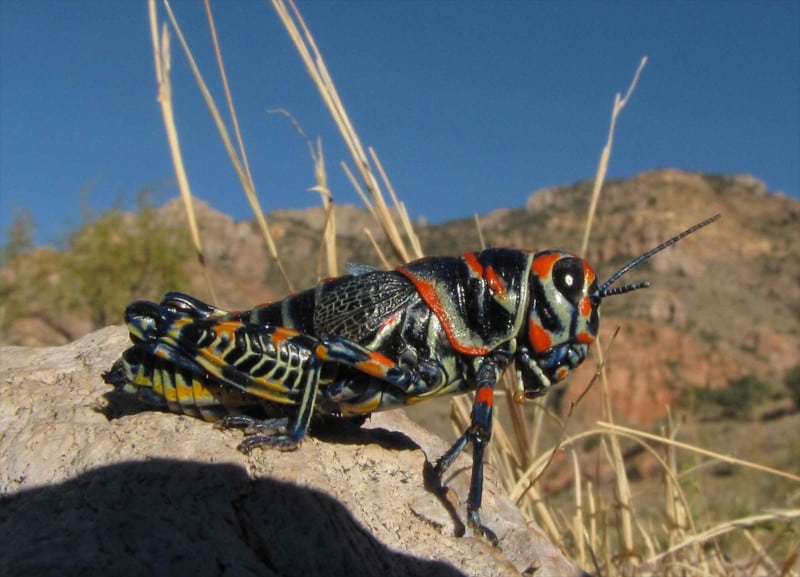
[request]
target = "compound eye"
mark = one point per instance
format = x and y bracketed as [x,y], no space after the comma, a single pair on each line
[568,278]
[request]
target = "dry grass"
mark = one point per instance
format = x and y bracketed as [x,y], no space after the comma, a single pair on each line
[601,531]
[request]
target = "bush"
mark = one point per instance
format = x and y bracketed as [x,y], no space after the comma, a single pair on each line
[737,400]
[112,259]
[122,256]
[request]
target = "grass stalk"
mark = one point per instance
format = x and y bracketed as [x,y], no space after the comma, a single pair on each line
[161,55]
[243,175]
[605,156]
[635,433]
[315,65]
[778,515]
[328,238]
[623,487]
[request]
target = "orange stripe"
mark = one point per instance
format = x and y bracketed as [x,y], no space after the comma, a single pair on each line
[226,328]
[281,334]
[588,273]
[377,365]
[428,293]
[485,395]
[540,338]
[585,306]
[496,284]
[473,263]
[542,265]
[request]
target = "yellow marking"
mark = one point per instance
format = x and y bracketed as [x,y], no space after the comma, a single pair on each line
[184,392]
[170,394]
[158,384]
[369,405]
[142,380]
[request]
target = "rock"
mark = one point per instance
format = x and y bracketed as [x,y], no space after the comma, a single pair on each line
[151,493]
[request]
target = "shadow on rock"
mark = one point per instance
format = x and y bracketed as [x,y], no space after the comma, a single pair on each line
[169,517]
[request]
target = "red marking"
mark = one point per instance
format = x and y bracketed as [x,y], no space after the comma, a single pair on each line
[588,273]
[485,395]
[286,332]
[281,334]
[585,306]
[388,323]
[585,338]
[226,328]
[473,263]
[562,373]
[540,338]
[427,291]
[376,365]
[321,352]
[496,284]
[542,265]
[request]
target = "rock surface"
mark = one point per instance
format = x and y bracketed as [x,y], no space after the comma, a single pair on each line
[150,493]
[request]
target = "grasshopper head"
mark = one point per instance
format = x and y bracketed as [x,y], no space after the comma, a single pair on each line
[564,316]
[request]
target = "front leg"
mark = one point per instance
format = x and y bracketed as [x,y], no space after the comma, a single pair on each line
[410,375]
[479,433]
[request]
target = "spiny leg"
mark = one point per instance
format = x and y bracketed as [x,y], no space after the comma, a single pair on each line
[282,433]
[479,434]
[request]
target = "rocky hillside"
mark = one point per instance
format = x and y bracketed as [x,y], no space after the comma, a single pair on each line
[724,304]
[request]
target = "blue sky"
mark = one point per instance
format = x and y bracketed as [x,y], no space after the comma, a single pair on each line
[471,105]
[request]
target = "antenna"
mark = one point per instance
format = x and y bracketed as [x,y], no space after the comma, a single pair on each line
[606,291]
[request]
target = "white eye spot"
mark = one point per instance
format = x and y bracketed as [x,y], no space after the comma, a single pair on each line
[569,280]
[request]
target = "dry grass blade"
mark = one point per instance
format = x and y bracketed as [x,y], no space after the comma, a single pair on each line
[241,172]
[228,97]
[481,240]
[593,540]
[377,248]
[161,54]
[416,247]
[790,561]
[329,228]
[727,458]
[602,168]
[783,516]
[623,487]
[528,477]
[357,186]
[315,65]
[328,239]
[577,520]
[518,425]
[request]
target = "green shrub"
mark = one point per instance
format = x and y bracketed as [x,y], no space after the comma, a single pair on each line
[737,400]
[112,259]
